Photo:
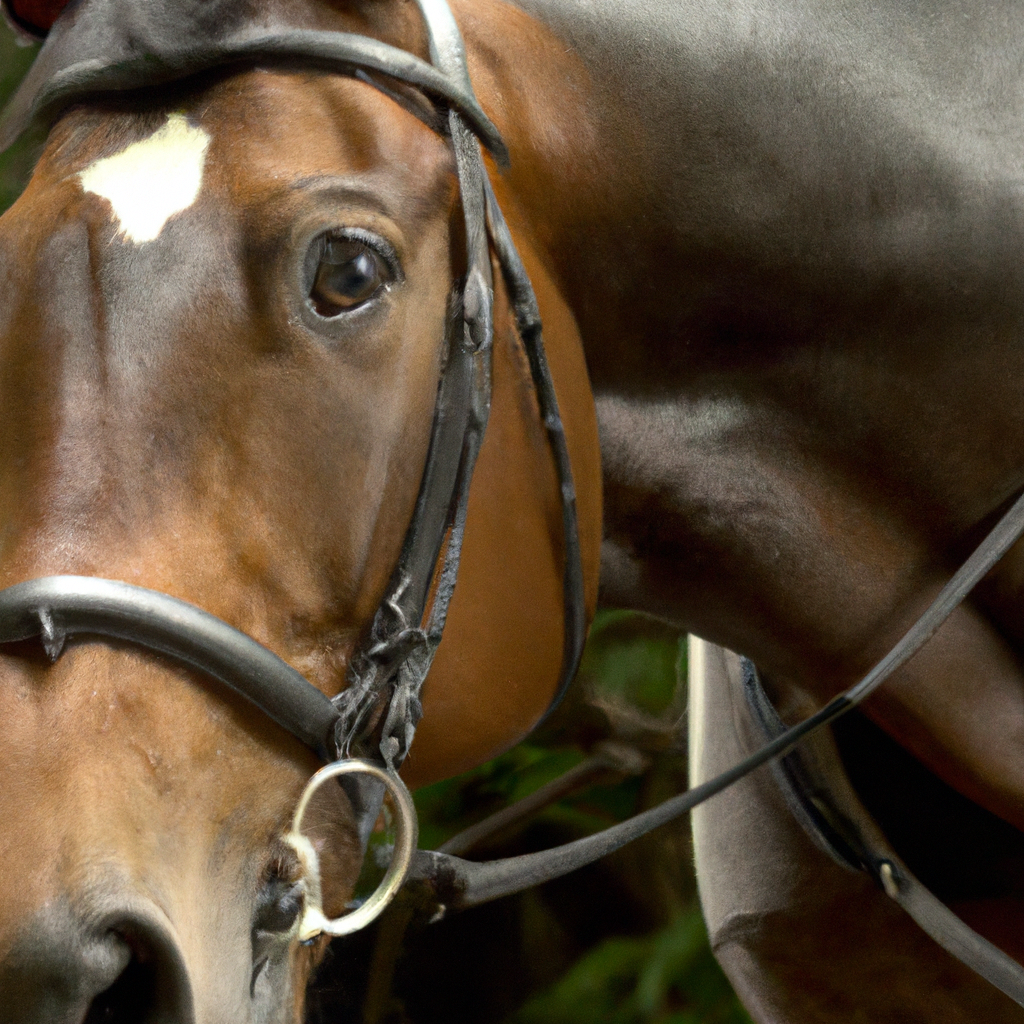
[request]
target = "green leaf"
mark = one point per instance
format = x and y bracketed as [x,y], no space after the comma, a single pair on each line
[16,164]
[636,659]
[669,977]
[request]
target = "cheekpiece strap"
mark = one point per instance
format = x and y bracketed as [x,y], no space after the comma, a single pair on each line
[386,678]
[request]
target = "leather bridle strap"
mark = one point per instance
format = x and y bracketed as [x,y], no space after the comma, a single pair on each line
[338,52]
[55,608]
[458,883]
[405,633]
[528,323]
[381,704]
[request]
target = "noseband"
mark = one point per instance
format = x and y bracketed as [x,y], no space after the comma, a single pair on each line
[368,728]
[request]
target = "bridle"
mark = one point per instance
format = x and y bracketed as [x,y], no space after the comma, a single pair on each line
[373,720]
[367,730]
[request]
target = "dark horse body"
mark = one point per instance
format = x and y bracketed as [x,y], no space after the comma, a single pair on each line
[789,239]
[805,355]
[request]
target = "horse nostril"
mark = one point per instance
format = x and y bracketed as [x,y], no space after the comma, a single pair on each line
[56,965]
[154,986]
[132,999]
[111,968]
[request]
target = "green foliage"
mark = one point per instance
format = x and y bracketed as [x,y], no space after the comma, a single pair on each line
[668,977]
[447,807]
[636,660]
[16,163]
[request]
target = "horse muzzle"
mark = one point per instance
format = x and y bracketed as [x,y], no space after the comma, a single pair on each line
[103,959]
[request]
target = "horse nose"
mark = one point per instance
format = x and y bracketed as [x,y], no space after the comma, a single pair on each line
[62,971]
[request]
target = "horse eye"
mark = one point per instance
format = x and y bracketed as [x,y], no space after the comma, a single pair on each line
[278,906]
[349,274]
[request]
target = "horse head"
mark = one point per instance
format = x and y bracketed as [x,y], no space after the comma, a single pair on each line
[225,307]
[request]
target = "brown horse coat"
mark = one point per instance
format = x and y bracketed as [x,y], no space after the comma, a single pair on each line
[787,237]
[207,435]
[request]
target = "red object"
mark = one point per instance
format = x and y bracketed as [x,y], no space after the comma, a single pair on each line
[37,14]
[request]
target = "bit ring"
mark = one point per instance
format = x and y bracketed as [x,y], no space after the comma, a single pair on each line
[313,921]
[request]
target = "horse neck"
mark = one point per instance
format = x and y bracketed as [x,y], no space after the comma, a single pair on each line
[583,173]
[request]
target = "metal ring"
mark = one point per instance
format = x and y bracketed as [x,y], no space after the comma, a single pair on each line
[313,921]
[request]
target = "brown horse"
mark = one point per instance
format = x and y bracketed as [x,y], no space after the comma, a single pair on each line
[785,239]
[289,437]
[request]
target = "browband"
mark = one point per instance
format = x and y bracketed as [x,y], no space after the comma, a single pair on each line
[340,52]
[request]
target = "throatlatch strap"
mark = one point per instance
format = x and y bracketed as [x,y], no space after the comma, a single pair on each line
[528,323]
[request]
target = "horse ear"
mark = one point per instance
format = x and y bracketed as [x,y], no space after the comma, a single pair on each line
[34,18]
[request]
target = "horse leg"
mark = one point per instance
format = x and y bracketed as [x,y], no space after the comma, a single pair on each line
[802,939]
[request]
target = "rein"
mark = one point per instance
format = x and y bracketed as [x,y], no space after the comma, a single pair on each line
[842,828]
[57,607]
[380,707]
[459,883]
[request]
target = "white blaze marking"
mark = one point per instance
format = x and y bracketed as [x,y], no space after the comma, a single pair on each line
[150,181]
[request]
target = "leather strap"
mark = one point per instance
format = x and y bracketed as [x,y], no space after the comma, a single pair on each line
[531,332]
[54,608]
[405,634]
[389,676]
[340,52]
[849,836]
[457,883]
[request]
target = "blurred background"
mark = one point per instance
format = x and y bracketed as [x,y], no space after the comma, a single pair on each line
[621,942]
[16,164]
